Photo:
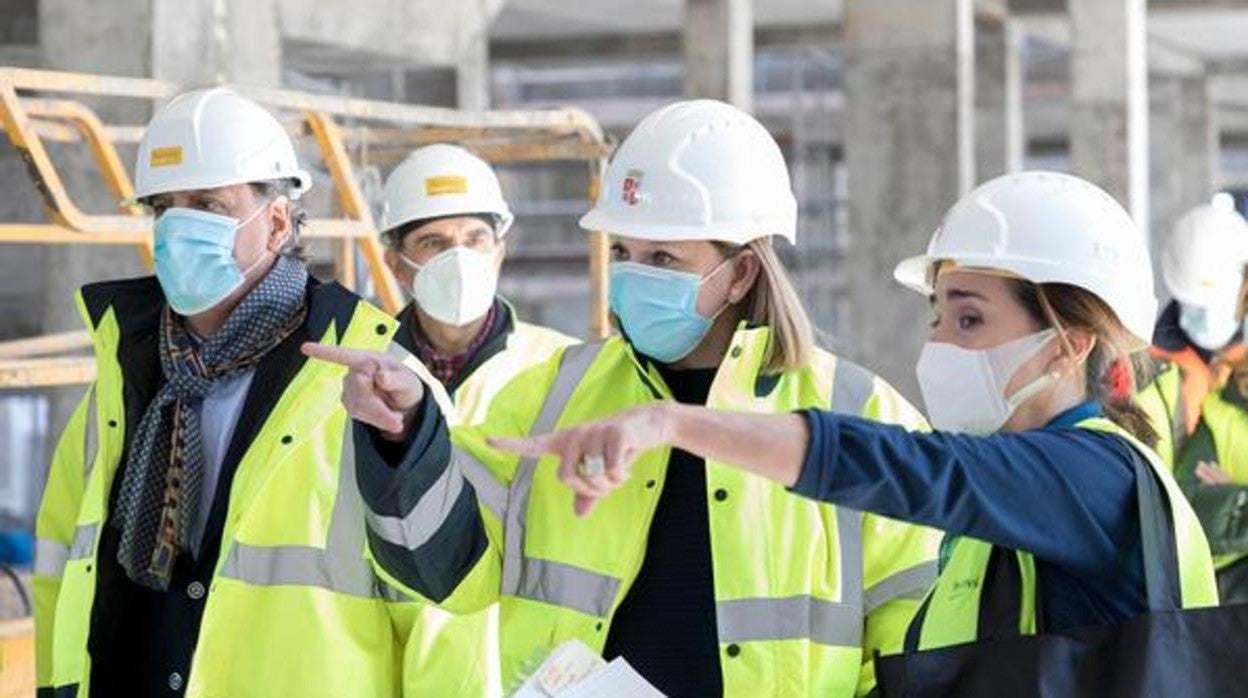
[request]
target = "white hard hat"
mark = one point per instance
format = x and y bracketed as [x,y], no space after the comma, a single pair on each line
[214,138]
[696,170]
[1205,256]
[1047,228]
[443,180]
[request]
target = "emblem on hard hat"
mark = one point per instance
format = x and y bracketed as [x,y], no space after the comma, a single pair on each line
[632,182]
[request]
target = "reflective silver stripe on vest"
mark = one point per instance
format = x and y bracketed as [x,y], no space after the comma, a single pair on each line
[297,565]
[91,439]
[912,583]
[340,567]
[84,541]
[789,618]
[491,493]
[805,617]
[50,557]
[573,364]
[427,517]
[852,387]
[568,586]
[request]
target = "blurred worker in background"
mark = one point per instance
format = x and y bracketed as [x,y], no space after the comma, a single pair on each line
[707,580]
[1199,400]
[200,531]
[1041,289]
[444,227]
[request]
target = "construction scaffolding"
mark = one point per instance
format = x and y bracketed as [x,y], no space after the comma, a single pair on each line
[45,106]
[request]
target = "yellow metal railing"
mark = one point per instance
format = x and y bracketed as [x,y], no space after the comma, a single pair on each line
[386,131]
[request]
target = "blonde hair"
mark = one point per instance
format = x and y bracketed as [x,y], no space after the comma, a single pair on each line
[774,303]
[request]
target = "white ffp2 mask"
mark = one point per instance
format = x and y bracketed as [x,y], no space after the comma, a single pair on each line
[964,389]
[455,287]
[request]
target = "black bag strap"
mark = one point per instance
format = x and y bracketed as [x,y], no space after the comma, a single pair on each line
[1001,599]
[1161,560]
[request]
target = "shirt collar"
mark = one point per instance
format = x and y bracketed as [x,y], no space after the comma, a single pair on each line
[1076,414]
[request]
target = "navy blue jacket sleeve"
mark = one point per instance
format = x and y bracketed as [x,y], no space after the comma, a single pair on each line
[1064,494]
[424,527]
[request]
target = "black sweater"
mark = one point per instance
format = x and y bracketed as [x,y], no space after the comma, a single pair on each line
[665,627]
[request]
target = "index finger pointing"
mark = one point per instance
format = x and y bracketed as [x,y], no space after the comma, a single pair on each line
[351,358]
[532,447]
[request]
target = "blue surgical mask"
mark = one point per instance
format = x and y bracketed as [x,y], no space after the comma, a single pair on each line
[1208,328]
[194,253]
[658,309]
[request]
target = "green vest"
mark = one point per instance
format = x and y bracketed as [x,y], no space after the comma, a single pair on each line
[294,607]
[953,606]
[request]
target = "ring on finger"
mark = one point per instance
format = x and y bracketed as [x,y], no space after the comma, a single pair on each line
[591,466]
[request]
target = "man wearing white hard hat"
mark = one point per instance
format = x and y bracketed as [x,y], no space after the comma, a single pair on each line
[200,532]
[706,581]
[1199,400]
[444,226]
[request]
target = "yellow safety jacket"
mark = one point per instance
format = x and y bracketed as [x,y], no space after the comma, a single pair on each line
[527,346]
[294,607]
[1218,434]
[805,592]
[952,610]
[457,655]
[1221,438]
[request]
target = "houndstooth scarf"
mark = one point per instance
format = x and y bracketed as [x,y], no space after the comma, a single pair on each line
[158,503]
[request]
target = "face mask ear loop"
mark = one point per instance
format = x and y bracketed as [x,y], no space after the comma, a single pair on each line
[1051,315]
[410,264]
[716,270]
[256,264]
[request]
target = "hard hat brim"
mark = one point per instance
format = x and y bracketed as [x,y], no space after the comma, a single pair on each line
[303,183]
[915,274]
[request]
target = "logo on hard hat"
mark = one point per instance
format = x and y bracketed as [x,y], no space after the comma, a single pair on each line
[166,157]
[632,182]
[446,184]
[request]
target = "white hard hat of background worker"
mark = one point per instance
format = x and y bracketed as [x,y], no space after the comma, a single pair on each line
[700,171]
[220,173]
[443,222]
[1050,230]
[1202,266]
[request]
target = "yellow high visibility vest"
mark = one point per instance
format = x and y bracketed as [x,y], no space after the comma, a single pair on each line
[457,655]
[952,614]
[805,591]
[294,607]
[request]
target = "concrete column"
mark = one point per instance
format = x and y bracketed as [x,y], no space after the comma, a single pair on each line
[908,147]
[472,72]
[998,99]
[208,41]
[1183,149]
[249,41]
[719,51]
[1109,105]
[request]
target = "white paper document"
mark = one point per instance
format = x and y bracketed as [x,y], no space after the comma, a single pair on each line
[573,670]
